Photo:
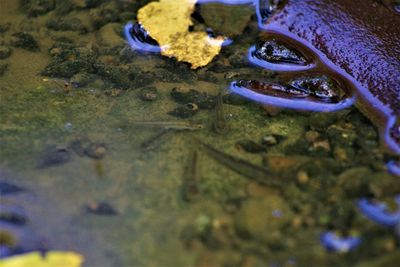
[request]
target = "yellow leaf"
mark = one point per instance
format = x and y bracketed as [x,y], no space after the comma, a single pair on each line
[51,259]
[168,21]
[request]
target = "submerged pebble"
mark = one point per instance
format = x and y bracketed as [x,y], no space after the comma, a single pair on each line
[96,150]
[36,8]
[25,40]
[201,99]
[271,139]
[185,111]
[319,87]
[148,94]
[274,52]
[5,52]
[4,27]
[68,24]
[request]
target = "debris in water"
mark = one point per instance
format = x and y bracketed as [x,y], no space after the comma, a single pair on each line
[378,212]
[168,23]
[332,242]
[50,259]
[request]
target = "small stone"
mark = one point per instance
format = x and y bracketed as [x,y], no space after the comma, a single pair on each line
[113,92]
[312,136]
[271,110]
[68,24]
[80,80]
[96,150]
[148,94]
[340,154]
[302,177]
[25,40]
[38,7]
[201,99]
[272,139]
[5,52]
[108,35]
[262,219]
[185,111]
[4,27]
[323,144]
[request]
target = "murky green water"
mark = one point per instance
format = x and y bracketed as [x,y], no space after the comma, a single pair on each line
[327,161]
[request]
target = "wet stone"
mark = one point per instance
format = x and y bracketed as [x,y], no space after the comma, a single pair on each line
[101,208]
[262,219]
[69,60]
[69,24]
[5,52]
[148,94]
[114,92]
[201,99]
[37,7]
[272,139]
[25,40]
[103,16]
[275,52]
[4,27]
[96,150]
[54,156]
[319,87]
[185,111]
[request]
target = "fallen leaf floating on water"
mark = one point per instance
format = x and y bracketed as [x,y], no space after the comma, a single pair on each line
[168,21]
[51,259]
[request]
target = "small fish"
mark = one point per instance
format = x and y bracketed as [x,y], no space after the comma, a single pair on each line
[241,166]
[172,125]
[220,125]
[190,178]
[101,208]
[150,142]
[12,215]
